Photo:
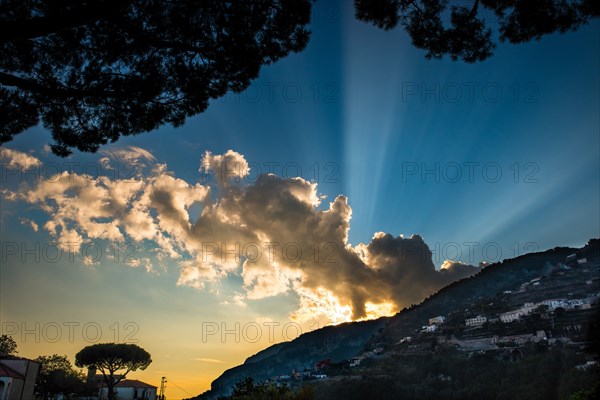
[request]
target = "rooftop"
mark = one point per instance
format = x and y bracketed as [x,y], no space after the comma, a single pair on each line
[134,383]
[9,372]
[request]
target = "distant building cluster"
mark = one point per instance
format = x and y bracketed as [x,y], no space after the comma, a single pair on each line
[587,365]
[513,315]
[434,323]
[540,335]
[305,375]
[355,361]
[552,304]
[573,260]
[528,308]
[476,321]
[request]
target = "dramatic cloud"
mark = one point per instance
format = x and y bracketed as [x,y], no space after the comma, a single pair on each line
[274,233]
[226,167]
[18,159]
[31,223]
[128,155]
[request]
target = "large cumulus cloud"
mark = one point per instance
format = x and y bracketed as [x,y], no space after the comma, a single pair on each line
[274,233]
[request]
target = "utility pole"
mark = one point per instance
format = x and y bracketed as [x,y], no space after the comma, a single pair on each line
[163,386]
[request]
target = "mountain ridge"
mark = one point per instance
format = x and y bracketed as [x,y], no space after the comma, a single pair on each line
[341,342]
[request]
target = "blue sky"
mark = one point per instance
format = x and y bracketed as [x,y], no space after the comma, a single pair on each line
[484,161]
[361,106]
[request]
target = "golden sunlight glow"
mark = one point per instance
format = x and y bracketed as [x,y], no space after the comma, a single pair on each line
[386,309]
[322,304]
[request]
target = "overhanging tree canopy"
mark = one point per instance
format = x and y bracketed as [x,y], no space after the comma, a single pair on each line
[463,29]
[97,69]
[93,70]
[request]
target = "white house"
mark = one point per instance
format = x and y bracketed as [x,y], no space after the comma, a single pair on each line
[510,316]
[406,339]
[553,304]
[476,321]
[575,303]
[131,389]
[528,307]
[355,361]
[587,365]
[439,320]
[17,378]
[513,315]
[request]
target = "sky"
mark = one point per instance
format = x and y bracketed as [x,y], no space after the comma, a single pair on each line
[349,181]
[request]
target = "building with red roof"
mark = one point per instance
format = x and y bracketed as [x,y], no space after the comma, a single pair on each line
[17,378]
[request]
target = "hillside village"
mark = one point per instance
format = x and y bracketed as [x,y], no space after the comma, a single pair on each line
[553,308]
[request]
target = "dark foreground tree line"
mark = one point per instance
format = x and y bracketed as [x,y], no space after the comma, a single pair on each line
[57,376]
[534,372]
[530,373]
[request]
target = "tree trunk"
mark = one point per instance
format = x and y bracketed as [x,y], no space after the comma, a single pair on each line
[111,390]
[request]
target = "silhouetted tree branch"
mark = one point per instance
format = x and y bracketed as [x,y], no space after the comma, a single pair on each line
[93,70]
[462,29]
